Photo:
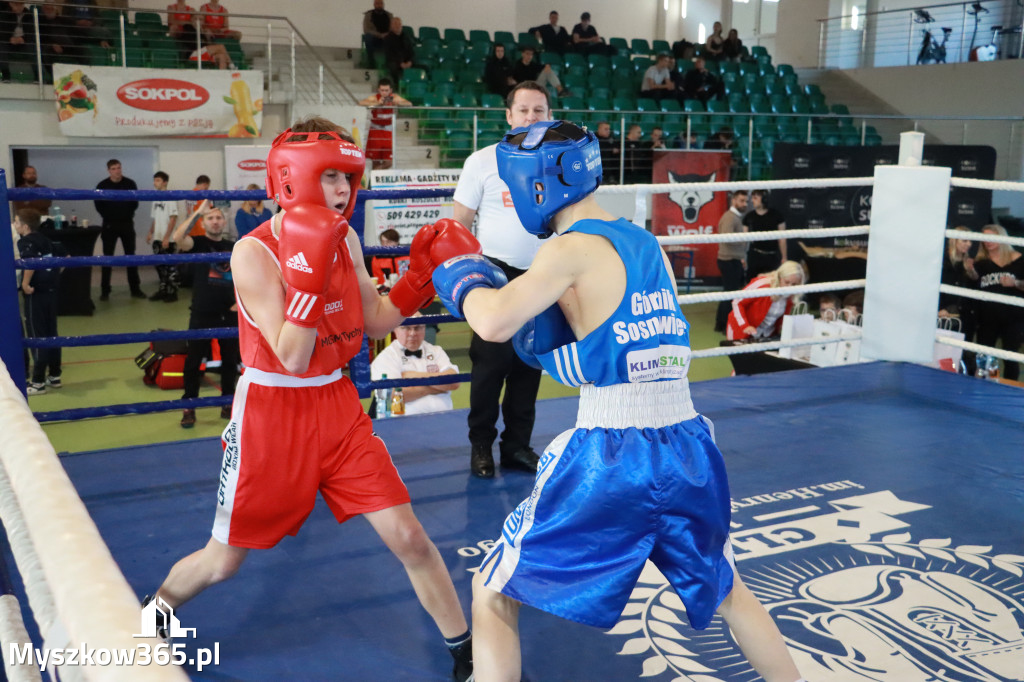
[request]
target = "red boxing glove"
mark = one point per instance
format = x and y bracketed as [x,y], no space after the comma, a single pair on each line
[308,250]
[432,245]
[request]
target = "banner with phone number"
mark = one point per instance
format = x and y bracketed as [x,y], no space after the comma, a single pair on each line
[408,215]
[106,101]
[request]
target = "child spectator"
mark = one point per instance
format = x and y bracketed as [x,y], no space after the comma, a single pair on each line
[40,290]
[164,216]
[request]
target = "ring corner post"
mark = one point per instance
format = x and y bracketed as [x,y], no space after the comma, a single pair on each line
[909,209]
[11,353]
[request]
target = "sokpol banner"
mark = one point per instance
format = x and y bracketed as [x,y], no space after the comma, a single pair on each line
[106,101]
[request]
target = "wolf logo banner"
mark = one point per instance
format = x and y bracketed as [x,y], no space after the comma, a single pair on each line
[691,210]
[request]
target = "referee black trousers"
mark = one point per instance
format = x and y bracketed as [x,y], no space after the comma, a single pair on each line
[496,366]
[112,231]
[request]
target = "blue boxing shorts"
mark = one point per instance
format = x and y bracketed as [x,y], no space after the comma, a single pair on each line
[640,477]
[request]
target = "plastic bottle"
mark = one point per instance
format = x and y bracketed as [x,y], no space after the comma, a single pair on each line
[993,368]
[982,366]
[382,396]
[58,218]
[397,402]
[74,218]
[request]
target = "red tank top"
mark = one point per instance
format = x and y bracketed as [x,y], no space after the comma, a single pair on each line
[339,334]
[216,18]
[179,15]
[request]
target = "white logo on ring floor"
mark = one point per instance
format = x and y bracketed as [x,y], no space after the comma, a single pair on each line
[855,596]
[857,599]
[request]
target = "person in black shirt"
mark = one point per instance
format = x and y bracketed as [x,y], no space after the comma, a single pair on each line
[586,40]
[398,50]
[40,290]
[528,70]
[1000,270]
[764,256]
[376,24]
[118,223]
[498,72]
[554,37]
[732,47]
[17,35]
[57,35]
[213,305]
[610,152]
[699,83]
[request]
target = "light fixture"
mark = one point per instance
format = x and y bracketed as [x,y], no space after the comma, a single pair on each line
[682,9]
[855,19]
[702,34]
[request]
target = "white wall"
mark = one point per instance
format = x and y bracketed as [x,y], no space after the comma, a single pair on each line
[797,33]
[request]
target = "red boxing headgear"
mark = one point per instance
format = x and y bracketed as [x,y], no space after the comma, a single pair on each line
[297,160]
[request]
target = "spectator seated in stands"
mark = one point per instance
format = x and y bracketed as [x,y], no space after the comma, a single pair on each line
[657,140]
[212,53]
[399,51]
[554,37]
[526,69]
[657,83]
[376,25]
[82,13]
[609,153]
[251,214]
[57,35]
[677,78]
[215,22]
[732,47]
[683,49]
[715,44]
[498,72]
[682,142]
[586,39]
[638,157]
[853,307]
[181,18]
[699,83]
[17,31]
[721,140]
[411,357]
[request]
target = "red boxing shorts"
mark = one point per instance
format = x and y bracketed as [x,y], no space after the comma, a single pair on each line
[288,438]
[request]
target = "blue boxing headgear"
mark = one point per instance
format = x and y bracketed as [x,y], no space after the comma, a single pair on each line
[548,166]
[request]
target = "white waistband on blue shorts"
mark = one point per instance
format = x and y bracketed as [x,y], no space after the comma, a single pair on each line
[263,378]
[651,404]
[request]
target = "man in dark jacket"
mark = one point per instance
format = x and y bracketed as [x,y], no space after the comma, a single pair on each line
[118,223]
[554,37]
[17,36]
[398,50]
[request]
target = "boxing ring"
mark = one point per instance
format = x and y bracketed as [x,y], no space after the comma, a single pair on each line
[878,512]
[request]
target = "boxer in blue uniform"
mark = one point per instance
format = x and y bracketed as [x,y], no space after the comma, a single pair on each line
[640,476]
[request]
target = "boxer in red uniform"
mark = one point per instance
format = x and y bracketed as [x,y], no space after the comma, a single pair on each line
[305,300]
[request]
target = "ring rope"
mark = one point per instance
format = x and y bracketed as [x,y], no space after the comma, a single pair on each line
[984,237]
[26,193]
[978,348]
[132,408]
[974,183]
[981,295]
[763,236]
[93,601]
[769,185]
[27,562]
[709,296]
[771,345]
[120,261]
[130,337]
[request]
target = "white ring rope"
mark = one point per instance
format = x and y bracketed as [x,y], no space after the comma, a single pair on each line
[763,236]
[1002,185]
[767,185]
[708,296]
[12,631]
[978,348]
[981,295]
[771,345]
[984,237]
[93,602]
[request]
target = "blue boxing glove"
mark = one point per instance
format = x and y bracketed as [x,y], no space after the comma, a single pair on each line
[522,342]
[457,276]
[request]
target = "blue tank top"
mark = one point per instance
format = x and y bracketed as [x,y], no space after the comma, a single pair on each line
[645,339]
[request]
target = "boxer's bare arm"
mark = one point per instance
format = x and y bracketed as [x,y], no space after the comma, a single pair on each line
[261,291]
[380,315]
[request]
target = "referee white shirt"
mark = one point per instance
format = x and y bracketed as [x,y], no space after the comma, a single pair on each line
[498,228]
[480,190]
[394,361]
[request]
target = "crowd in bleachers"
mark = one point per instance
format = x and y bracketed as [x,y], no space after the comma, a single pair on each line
[78,32]
[701,94]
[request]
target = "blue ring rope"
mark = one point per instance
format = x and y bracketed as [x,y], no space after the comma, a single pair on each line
[359,364]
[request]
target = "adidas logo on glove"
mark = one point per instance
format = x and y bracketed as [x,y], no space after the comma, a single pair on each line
[298,262]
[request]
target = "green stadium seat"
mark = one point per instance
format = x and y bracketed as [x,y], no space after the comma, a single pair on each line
[840,110]
[442,76]
[784,69]
[574,81]
[851,139]
[454,35]
[758,51]
[640,46]
[624,104]
[671,106]
[478,34]
[149,19]
[661,47]
[446,90]
[492,101]
[812,90]
[414,91]
[625,80]
[694,105]
[598,103]
[469,74]
[599,61]
[774,87]
[728,67]
[572,103]
[527,38]
[574,61]
[601,93]
[429,33]
[482,46]
[599,77]
[641,64]
[620,45]
[818,106]
[766,70]
[504,37]
[621,63]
